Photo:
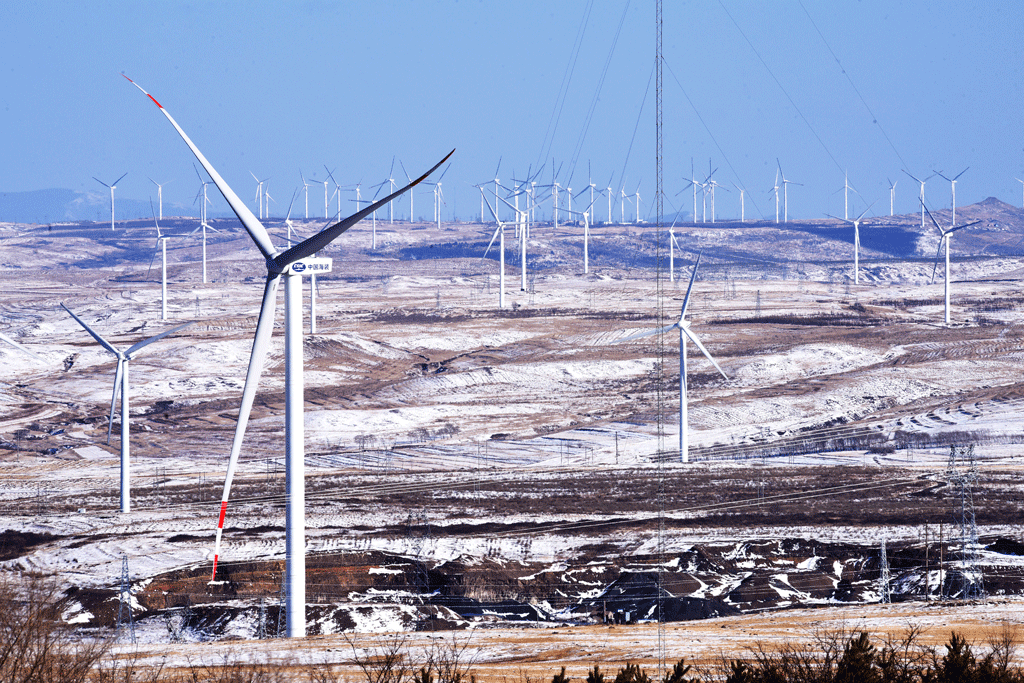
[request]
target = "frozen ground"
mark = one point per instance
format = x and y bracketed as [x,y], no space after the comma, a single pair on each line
[440,429]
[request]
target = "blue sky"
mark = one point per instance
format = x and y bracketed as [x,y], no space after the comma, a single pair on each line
[278,87]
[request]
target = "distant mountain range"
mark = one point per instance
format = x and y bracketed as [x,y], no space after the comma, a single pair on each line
[60,205]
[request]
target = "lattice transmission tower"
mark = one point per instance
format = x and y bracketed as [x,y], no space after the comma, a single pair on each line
[124,607]
[962,473]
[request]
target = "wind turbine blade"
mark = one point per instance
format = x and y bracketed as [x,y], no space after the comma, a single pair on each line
[146,342]
[675,241]
[686,299]
[21,348]
[941,231]
[649,333]
[260,346]
[938,254]
[961,227]
[100,181]
[961,173]
[328,235]
[113,398]
[95,335]
[693,337]
[152,259]
[491,208]
[114,184]
[294,195]
[493,237]
[252,225]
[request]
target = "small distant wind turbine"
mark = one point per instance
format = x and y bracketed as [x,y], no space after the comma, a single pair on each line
[672,246]
[112,187]
[636,204]
[785,191]
[944,238]
[856,242]
[259,192]
[846,196]
[952,183]
[685,332]
[203,225]
[742,211]
[161,247]
[121,382]
[160,195]
[775,188]
[305,192]
[922,182]
[499,232]
[892,195]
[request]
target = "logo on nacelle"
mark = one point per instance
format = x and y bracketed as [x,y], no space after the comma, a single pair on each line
[312,266]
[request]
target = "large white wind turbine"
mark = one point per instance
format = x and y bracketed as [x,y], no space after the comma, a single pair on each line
[121,382]
[944,239]
[856,242]
[685,332]
[289,265]
[922,182]
[112,186]
[952,184]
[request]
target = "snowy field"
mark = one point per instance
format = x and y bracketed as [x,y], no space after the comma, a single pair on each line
[440,429]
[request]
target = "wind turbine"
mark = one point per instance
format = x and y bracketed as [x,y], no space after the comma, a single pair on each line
[112,187]
[161,246]
[259,192]
[203,225]
[121,382]
[775,188]
[288,265]
[922,192]
[856,242]
[685,332]
[846,196]
[742,209]
[944,238]
[785,192]
[499,231]
[672,246]
[952,183]
[305,192]
[160,194]
[636,204]
[892,195]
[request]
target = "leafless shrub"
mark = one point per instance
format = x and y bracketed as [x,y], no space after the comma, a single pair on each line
[35,646]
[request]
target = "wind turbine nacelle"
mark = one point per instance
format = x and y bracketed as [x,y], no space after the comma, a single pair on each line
[312,266]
